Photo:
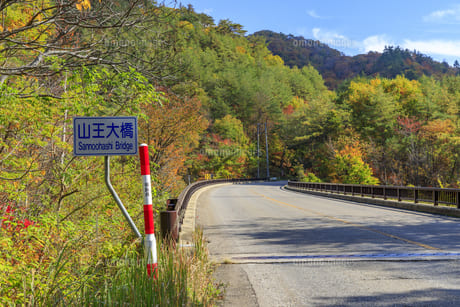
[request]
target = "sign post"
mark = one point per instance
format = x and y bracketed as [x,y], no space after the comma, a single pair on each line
[107,136]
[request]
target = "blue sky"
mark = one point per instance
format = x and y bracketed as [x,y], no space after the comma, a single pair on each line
[353,27]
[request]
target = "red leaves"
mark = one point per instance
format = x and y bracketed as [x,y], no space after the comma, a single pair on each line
[409,125]
[288,110]
[9,220]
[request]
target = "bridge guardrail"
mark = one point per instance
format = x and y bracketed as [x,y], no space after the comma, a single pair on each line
[435,196]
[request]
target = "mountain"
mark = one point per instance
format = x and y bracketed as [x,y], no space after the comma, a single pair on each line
[335,67]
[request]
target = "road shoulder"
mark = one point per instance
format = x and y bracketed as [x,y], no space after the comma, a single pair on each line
[238,290]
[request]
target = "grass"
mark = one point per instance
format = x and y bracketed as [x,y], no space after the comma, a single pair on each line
[184,279]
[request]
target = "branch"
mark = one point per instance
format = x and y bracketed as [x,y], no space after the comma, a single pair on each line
[81,207]
[68,21]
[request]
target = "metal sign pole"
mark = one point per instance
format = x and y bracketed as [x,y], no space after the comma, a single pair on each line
[258,151]
[117,199]
[266,149]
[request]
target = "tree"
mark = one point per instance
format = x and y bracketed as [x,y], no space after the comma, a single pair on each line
[231,128]
[224,152]
[43,38]
[373,111]
[172,129]
[227,27]
[347,165]
[441,142]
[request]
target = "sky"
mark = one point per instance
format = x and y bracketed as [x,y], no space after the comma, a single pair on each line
[353,27]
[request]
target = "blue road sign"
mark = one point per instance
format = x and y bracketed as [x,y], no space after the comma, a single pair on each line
[105,136]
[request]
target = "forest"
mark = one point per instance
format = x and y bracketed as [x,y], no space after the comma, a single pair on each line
[200,88]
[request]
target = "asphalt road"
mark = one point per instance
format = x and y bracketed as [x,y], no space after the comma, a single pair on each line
[281,248]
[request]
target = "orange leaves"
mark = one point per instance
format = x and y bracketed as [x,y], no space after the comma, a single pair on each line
[352,151]
[241,49]
[347,163]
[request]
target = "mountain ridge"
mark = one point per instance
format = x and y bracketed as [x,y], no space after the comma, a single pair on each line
[336,67]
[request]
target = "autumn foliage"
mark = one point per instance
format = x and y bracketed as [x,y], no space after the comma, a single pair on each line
[201,91]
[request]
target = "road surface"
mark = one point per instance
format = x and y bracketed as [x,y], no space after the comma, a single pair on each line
[282,248]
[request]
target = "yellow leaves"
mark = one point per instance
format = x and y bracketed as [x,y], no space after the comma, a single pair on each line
[376,82]
[361,91]
[25,20]
[298,102]
[438,129]
[403,89]
[274,60]
[83,5]
[186,25]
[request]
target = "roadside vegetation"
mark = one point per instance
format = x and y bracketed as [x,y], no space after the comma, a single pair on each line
[184,279]
[199,89]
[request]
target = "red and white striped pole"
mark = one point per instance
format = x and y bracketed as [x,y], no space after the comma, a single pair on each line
[149,241]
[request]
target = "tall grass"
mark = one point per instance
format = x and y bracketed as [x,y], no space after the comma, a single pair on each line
[184,279]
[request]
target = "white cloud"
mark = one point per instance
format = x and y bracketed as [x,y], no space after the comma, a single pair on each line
[451,15]
[438,47]
[332,39]
[316,33]
[205,11]
[208,11]
[376,43]
[325,36]
[313,14]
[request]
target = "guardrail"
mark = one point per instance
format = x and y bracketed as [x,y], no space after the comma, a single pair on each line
[173,218]
[435,196]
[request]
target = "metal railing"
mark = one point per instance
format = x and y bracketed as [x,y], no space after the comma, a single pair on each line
[435,196]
